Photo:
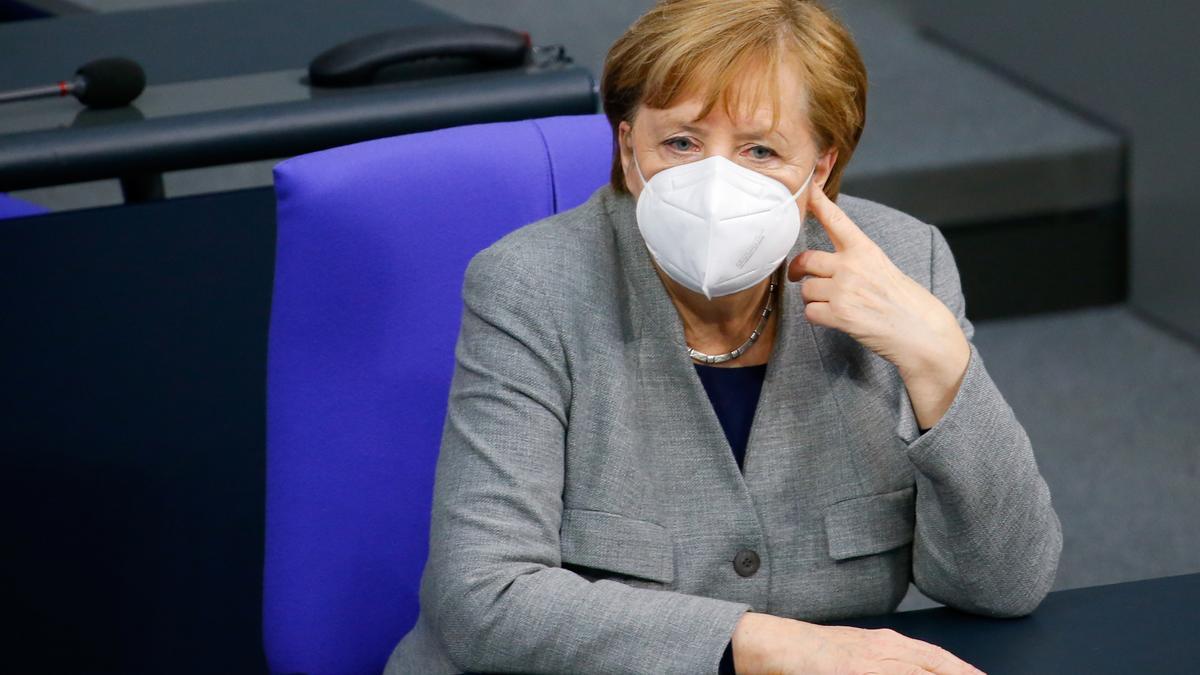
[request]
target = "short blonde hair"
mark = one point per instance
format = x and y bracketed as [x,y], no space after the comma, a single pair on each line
[707,47]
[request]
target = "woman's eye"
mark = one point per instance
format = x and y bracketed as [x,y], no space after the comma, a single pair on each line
[679,144]
[761,152]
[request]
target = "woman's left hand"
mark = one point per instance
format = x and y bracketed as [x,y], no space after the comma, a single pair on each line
[858,290]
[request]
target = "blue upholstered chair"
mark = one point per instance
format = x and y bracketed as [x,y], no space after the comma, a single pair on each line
[373,242]
[11,207]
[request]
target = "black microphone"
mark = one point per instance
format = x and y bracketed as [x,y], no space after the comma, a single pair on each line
[104,83]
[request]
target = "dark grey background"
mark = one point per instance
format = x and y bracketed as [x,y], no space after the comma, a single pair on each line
[1136,64]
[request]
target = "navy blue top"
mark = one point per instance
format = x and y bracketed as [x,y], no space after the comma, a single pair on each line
[733,393]
[734,396]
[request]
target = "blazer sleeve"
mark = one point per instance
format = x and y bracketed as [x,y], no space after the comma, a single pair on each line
[493,587]
[987,538]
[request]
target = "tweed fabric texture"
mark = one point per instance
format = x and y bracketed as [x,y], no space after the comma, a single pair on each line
[588,507]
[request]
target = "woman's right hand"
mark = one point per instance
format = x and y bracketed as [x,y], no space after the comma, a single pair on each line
[764,643]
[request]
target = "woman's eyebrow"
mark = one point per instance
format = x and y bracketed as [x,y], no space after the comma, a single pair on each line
[761,133]
[682,126]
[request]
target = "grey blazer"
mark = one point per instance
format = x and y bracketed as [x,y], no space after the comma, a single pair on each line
[588,509]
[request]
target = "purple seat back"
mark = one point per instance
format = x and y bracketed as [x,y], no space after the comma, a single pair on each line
[11,207]
[373,241]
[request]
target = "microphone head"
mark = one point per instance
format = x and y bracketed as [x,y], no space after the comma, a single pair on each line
[110,82]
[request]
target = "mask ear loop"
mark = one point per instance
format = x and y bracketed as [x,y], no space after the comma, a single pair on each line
[806,180]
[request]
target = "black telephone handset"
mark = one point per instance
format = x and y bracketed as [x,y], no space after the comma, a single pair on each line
[360,61]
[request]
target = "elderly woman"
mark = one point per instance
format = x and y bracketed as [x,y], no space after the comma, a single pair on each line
[663,456]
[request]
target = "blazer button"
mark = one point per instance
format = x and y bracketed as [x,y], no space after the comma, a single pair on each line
[746,562]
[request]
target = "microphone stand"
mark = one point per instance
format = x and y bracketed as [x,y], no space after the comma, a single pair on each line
[61,89]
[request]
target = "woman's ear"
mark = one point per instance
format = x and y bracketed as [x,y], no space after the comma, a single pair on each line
[625,146]
[624,143]
[825,167]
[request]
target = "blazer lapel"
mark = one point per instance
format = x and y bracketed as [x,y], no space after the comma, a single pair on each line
[668,380]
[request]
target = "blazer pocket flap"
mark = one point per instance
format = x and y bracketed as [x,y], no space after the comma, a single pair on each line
[617,543]
[870,524]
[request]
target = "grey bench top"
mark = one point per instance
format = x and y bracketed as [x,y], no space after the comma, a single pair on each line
[955,143]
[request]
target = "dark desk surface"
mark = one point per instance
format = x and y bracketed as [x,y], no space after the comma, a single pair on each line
[1137,627]
[226,83]
[1140,627]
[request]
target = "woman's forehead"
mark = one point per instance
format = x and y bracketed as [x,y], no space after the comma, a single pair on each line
[757,101]
[750,119]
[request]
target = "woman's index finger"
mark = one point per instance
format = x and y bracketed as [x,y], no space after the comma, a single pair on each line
[843,232]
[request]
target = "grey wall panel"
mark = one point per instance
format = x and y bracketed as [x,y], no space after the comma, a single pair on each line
[1137,66]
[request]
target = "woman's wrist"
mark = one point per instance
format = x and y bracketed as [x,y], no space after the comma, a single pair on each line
[933,386]
[748,640]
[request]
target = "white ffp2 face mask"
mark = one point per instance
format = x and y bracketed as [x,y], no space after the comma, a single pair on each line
[717,227]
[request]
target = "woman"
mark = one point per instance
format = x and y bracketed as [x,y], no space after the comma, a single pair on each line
[603,502]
